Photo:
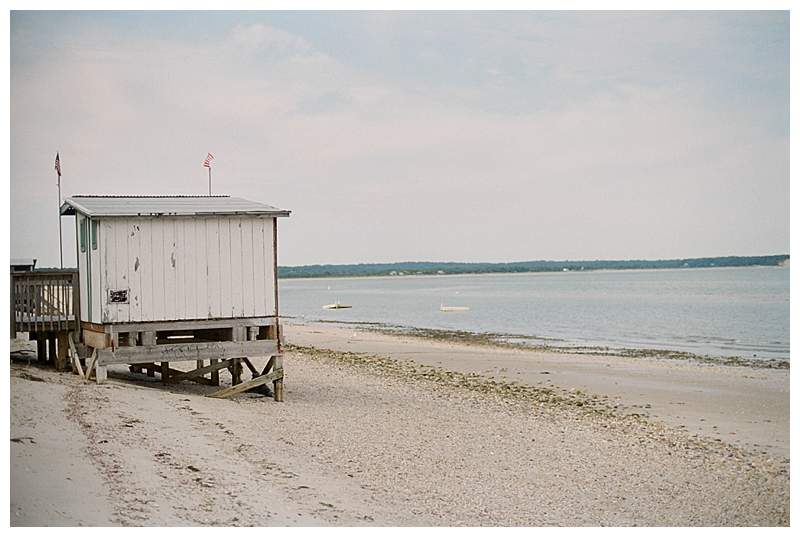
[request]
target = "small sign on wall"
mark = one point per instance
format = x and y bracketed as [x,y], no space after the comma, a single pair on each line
[117,296]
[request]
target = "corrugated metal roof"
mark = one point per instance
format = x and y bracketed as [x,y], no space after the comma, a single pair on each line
[165,206]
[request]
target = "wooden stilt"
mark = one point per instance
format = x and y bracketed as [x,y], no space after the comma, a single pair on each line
[101,373]
[62,351]
[236,371]
[277,384]
[165,373]
[215,373]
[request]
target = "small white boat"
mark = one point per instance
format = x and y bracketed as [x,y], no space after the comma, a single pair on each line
[336,306]
[442,307]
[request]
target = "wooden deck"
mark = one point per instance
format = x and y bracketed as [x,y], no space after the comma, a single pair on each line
[44,301]
[45,304]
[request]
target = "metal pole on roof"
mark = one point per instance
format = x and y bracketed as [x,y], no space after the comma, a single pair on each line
[209,180]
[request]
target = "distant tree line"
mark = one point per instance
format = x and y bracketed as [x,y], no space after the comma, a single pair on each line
[430,267]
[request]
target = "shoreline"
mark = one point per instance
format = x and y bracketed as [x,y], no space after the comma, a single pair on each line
[745,405]
[505,340]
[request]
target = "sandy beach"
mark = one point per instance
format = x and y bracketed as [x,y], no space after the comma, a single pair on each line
[386,430]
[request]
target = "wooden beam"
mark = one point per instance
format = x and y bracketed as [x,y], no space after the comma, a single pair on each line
[178,352]
[270,363]
[98,340]
[250,384]
[90,364]
[200,324]
[76,360]
[250,366]
[201,371]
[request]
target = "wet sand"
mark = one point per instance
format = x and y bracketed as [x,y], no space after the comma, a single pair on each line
[741,405]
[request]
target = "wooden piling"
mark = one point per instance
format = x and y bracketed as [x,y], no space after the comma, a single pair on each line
[62,350]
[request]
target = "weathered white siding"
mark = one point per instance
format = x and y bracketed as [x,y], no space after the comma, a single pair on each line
[180,268]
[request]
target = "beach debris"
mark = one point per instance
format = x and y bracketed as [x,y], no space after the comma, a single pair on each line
[28,376]
[23,440]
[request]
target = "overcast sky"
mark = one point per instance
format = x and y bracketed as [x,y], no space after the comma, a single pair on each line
[417,136]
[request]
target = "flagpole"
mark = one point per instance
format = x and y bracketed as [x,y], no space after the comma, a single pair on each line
[60,245]
[209,179]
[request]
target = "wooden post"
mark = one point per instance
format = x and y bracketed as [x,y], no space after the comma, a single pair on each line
[63,347]
[165,372]
[238,333]
[131,341]
[149,339]
[277,385]
[101,373]
[13,317]
[236,371]
[214,374]
[275,280]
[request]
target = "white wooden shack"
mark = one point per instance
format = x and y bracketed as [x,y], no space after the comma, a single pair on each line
[174,278]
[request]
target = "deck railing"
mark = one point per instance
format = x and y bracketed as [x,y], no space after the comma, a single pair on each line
[45,301]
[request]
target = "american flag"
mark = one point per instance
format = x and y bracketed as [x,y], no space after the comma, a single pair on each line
[207,161]
[58,165]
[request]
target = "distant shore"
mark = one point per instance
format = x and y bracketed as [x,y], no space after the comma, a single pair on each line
[537,272]
[420,268]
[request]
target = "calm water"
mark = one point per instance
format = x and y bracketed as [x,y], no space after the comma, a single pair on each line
[724,312]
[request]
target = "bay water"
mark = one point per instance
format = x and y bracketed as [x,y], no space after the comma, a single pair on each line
[716,311]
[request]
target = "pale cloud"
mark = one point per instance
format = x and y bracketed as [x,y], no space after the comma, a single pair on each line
[462,137]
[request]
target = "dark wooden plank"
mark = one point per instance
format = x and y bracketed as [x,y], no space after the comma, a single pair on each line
[202,370]
[270,363]
[250,366]
[244,386]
